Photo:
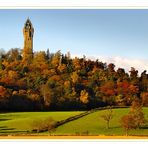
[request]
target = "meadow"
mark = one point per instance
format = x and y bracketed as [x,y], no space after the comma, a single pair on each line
[91,124]
[20,122]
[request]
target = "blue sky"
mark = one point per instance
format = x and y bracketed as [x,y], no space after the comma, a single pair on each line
[111,35]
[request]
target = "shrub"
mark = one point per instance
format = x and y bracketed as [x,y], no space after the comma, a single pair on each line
[47,124]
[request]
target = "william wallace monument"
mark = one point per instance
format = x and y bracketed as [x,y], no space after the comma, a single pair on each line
[28,32]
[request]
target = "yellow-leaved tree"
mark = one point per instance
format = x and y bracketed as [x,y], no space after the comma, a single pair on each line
[84,96]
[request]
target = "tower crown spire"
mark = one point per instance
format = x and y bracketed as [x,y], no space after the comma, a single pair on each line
[28,24]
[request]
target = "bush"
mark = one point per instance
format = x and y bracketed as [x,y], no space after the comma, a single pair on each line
[47,124]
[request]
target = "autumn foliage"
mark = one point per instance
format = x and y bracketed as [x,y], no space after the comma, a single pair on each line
[135,118]
[54,81]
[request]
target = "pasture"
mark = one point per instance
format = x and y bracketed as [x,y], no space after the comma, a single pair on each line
[93,124]
[19,123]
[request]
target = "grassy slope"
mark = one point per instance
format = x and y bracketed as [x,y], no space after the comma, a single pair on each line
[95,125]
[21,121]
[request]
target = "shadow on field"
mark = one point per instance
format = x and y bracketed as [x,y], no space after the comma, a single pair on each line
[5,129]
[2,127]
[12,132]
[5,119]
[145,127]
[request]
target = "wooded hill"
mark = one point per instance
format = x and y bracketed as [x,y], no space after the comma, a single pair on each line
[58,82]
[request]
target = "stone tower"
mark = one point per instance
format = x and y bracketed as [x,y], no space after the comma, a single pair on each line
[28,32]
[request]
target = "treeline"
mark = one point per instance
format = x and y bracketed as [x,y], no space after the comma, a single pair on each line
[54,81]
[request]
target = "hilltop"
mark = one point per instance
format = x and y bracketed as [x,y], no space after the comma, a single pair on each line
[54,81]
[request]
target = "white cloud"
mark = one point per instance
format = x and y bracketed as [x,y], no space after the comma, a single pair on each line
[126,63]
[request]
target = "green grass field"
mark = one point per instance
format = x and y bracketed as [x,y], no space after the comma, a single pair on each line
[93,124]
[15,123]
